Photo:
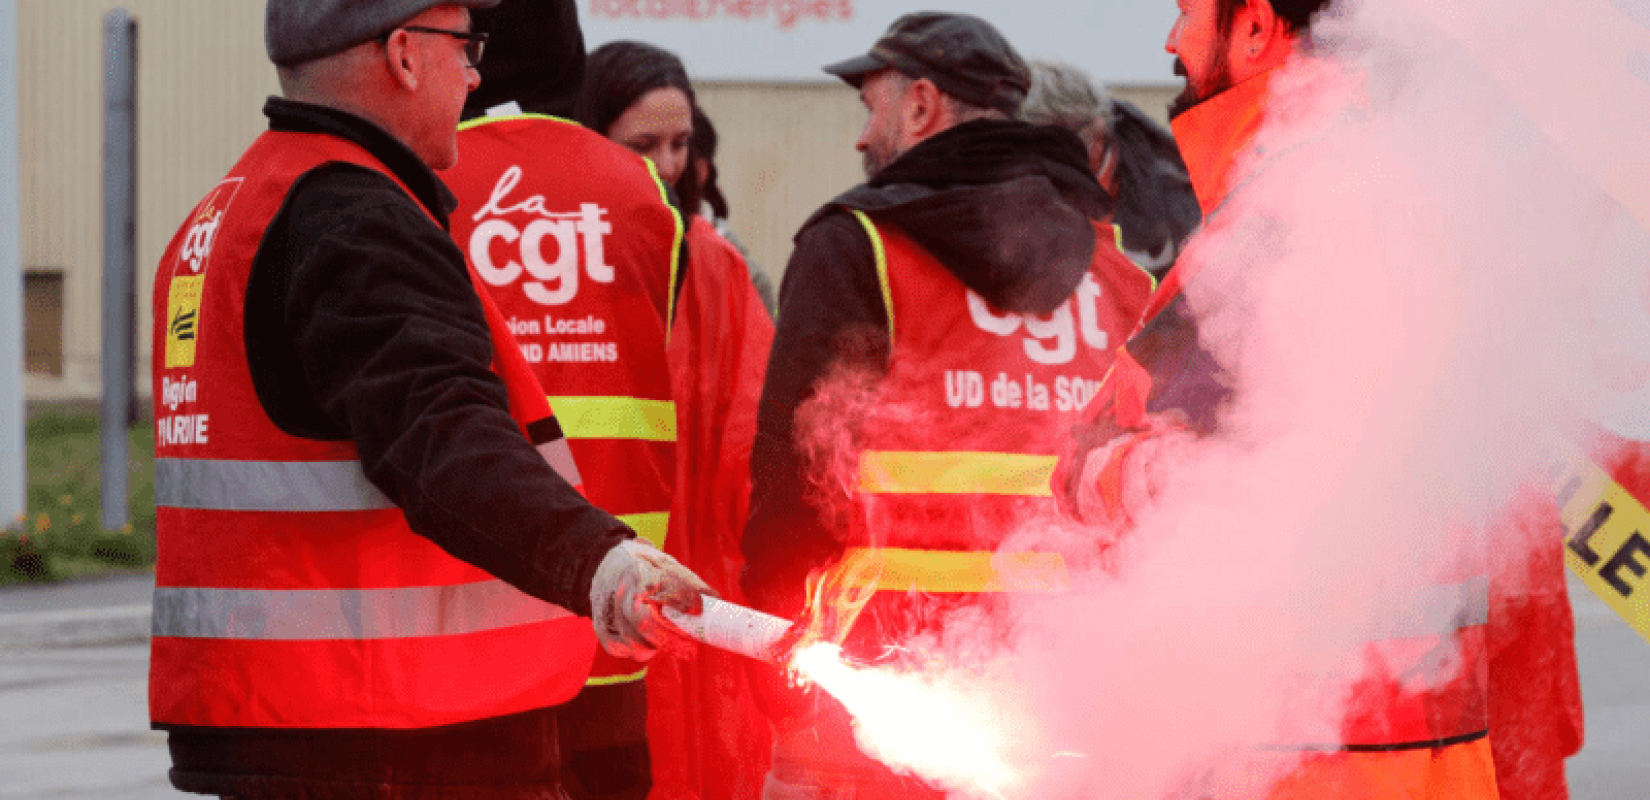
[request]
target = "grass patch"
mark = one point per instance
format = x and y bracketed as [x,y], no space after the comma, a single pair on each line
[61,535]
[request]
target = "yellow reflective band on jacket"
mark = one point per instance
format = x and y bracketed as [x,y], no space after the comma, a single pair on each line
[676,242]
[489,119]
[650,526]
[895,569]
[614,680]
[882,267]
[616,418]
[894,472]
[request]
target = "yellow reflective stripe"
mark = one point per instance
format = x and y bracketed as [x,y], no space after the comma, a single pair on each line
[614,680]
[899,570]
[650,526]
[891,472]
[1605,539]
[486,120]
[675,248]
[615,418]
[1117,237]
[882,266]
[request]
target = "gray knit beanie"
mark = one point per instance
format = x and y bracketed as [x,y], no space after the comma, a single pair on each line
[296,31]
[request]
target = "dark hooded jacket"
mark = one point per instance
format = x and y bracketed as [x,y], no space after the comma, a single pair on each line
[1005,206]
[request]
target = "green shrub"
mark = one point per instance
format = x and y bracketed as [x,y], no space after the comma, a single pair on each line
[61,535]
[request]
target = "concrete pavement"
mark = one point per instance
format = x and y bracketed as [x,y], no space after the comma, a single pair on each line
[74,722]
[74,726]
[1614,762]
[93,611]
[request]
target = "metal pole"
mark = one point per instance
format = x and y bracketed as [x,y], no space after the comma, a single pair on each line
[119,247]
[13,458]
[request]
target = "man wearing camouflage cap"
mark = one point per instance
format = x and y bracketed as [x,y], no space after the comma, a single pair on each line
[972,253]
[375,568]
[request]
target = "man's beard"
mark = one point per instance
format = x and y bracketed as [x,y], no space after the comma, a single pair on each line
[872,163]
[1220,79]
[876,157]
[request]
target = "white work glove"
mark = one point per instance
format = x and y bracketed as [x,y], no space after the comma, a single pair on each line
[632,582]
[1122,478]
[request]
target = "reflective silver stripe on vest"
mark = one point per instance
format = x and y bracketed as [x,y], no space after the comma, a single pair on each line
[265,486]
[559,456]
[346,614]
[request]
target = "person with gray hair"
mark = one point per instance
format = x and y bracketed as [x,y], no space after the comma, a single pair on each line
[1064,96]
[376,573]
[1133,158]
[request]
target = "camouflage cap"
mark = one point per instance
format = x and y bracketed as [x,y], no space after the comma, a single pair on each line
[963,55]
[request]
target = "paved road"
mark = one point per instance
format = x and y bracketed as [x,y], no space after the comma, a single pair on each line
[73,724]
[1614,763]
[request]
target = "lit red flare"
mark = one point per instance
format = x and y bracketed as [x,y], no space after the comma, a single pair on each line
[957,729]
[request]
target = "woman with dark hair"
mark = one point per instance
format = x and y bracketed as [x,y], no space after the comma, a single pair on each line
[639,96]
[708,739]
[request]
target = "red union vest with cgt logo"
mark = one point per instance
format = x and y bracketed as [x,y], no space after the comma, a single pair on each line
[968,420]
[290,592]
[572,236]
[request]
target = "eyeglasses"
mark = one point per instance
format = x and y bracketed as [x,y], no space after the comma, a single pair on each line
[474,43]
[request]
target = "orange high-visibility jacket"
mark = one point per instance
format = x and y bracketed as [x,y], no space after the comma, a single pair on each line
[1416,725]
[290,592]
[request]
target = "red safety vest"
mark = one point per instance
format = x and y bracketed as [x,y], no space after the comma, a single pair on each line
[966,424]
[574,240]
[290,592]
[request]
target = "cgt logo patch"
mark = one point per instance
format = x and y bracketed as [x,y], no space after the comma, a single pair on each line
[548,281]
[188,285]
[183,313]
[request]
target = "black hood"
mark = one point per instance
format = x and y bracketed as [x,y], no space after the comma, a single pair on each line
[1006,206]
[534,56]
[1156,208]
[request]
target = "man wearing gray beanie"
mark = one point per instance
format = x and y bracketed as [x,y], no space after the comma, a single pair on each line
[376,574]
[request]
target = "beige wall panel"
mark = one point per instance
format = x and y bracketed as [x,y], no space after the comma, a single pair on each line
[59,56]
[784,150]
[202,78]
